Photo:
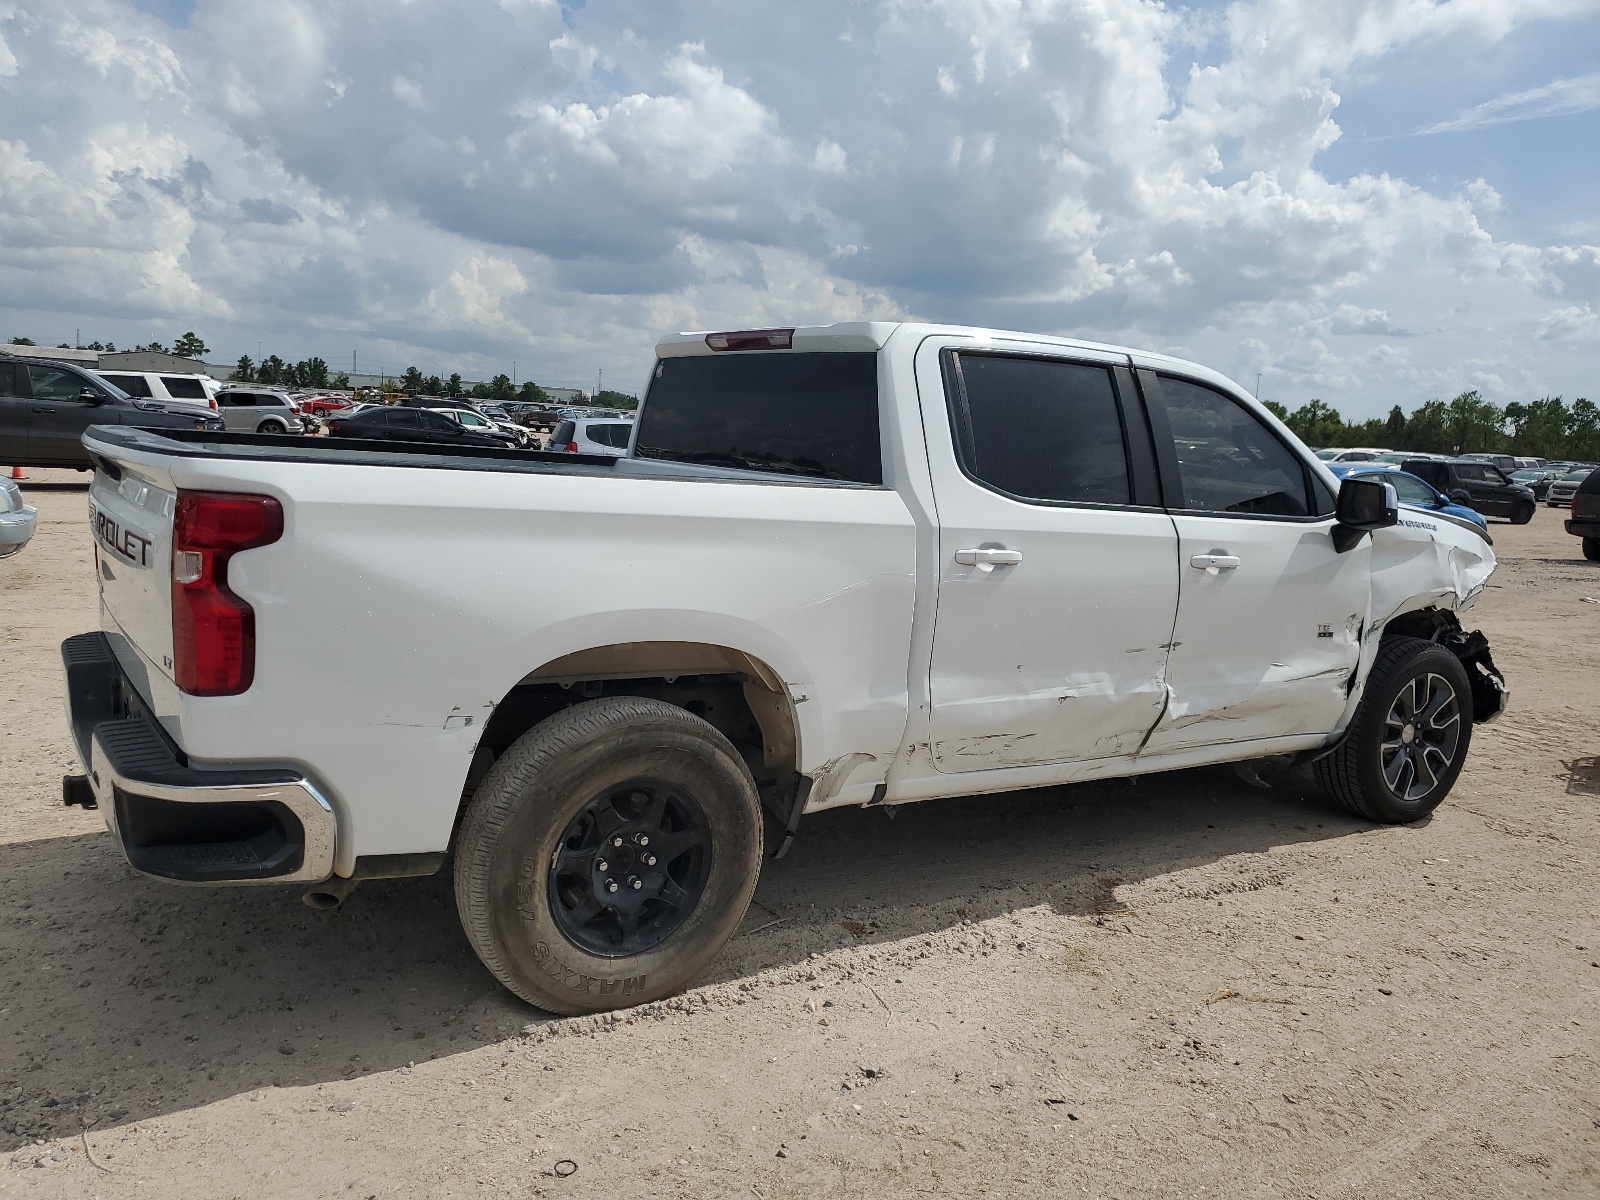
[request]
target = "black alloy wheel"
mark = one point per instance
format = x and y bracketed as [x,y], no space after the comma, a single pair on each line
[630,868]
[1522,512]
[1422,731]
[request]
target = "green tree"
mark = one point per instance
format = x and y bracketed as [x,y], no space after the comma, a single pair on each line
[453,385]
[189,346]
[1473,425]
[1277,410]
[341,381]
[311,373]
[1425,429]
[244,370]
[433,386]
[532,393]
[1583,431]
[1539,427]
[622,400]
[411,382]
[1394,429]
[1317,424]
[500,388]
[22,341]
[481,391]
[272,370]
[152,348]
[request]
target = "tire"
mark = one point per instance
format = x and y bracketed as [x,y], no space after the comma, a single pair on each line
[1407,670]
[272,427]
[1591,548]
[1523,513]
[545,802]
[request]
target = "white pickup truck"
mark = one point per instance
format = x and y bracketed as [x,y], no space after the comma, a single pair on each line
[858,564]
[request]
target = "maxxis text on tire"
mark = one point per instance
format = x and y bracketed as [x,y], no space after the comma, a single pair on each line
[1366,774]
[514,901]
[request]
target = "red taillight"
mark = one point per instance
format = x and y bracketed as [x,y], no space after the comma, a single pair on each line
[752,339]
[570,448]
[213,630]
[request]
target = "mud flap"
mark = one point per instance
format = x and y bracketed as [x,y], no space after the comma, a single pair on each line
[1489,692]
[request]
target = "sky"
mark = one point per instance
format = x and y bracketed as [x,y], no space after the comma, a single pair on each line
[1364,202]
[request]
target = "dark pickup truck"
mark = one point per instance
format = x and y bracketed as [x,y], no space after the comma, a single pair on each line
[46,406]
[1585,522]
[1481,486]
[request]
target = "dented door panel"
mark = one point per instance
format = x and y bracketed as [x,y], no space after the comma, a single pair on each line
[1268,648]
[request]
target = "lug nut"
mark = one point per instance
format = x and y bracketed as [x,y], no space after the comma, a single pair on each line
[635,882]
[616,841]
[649,860]
[602,866]
[642,838]
[611,885]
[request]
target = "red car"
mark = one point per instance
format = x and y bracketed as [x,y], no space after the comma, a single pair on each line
[324,405]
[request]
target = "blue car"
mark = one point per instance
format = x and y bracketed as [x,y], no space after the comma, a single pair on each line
[1413,492]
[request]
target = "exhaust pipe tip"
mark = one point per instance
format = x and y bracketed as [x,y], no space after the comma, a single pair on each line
[329,894]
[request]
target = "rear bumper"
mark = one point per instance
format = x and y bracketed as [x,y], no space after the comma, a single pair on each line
[1584,527]
[176,821]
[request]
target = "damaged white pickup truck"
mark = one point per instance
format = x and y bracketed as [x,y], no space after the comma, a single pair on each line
[847,565]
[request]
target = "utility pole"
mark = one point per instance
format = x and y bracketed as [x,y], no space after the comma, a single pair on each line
[599,382]
[513,372]
[1258,385]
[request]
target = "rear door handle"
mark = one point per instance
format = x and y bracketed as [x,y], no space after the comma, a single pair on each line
[987,557]
[1222,562]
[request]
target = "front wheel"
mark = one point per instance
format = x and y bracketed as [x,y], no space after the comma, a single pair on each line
[1523,513]
[608,855]
[1409,738]
[1591,548]
[272,427]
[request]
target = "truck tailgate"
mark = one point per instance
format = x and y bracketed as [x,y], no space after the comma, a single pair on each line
[131,519]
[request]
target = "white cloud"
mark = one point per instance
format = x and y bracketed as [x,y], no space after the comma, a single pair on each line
[1561,97]
[473,183]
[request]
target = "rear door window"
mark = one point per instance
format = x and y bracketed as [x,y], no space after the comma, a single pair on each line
[808,415]
[1228,461]
[182,387]
[562,433]
[134,385]
[403,418]
[1039,429]
[614,434]
[9,379]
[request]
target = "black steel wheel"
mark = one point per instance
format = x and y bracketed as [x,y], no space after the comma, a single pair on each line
[630,867]
[608,855]
[1409,738]
[1523,512]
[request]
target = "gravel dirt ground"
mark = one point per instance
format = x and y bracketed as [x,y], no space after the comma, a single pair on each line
[1184,986]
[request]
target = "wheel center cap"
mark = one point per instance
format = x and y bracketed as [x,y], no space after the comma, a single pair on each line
[1408,734]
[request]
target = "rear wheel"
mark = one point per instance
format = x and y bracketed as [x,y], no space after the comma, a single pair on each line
[608,856]
[1522,513]
[272,426]
[1409,738]
[1591,548]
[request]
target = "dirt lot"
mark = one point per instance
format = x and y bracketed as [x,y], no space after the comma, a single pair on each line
[1183,986]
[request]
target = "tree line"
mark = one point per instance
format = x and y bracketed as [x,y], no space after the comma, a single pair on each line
[187,346]
[272,370]
[1469,424]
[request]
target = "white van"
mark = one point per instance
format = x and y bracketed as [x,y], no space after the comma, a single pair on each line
[197,391]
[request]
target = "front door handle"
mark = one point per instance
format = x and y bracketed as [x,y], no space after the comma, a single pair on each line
[1222,562]
[988,557]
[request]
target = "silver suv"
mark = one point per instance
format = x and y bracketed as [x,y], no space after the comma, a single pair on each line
[252,410]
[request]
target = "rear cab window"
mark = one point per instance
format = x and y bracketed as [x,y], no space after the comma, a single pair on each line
[805,415]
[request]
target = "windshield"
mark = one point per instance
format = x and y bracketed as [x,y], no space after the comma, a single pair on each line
[1389,456]
[1575,476]
[1329,455]
[1527,473]
[467,418]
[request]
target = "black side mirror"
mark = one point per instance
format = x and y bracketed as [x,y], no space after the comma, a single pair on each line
[1364,504]
[1460,496]
[90,396]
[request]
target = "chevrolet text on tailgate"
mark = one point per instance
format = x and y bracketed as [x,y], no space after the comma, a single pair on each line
[846,565]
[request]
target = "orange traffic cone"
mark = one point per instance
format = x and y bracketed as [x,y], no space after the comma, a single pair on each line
[16,472]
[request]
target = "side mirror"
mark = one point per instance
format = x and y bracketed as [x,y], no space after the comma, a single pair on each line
[1460,496]
[1364,504]
[90,396]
